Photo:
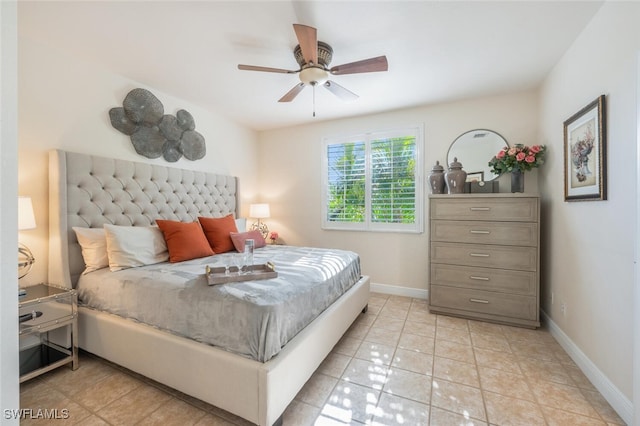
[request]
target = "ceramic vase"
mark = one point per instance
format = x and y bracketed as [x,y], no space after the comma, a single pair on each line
[517,180]
[455,177]
[436,179]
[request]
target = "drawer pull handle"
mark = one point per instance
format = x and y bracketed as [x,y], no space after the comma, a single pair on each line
[479,278]
[486,302]
[480,209]
[479,231]
[478,255]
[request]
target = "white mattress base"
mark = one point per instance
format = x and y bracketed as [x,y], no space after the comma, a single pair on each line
[258,392]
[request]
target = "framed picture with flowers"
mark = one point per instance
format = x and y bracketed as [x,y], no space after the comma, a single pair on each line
[585,166]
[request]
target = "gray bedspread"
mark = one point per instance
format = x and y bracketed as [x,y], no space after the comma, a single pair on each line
[252,318]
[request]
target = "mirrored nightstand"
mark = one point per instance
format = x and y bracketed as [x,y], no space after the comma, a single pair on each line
[48,329]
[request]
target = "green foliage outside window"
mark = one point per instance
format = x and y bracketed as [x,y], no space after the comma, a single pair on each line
[346,182]
[392,167]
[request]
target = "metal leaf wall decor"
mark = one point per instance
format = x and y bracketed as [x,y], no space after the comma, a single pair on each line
[154,133]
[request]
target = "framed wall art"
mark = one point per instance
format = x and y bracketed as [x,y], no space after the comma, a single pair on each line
[475,177]
[585,165]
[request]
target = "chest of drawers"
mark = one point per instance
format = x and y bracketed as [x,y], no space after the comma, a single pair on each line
[484,257]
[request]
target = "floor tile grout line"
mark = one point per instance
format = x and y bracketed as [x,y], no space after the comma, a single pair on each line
[386,379]
[433,356]
[73,399]
[433,367]
[475,360]
[539,404]
[582,391]
[352,357]
[149,382]
[525,377]
[390,366]
[527,380]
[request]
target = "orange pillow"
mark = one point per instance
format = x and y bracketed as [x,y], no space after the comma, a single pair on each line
[185,241]
[218,232]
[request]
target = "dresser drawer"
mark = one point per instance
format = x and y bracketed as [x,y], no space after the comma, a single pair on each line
[485,208]
[486,256]
[504,280]
[479,232]
[485,302]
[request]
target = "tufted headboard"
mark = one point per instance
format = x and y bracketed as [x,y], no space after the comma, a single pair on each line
[89,191]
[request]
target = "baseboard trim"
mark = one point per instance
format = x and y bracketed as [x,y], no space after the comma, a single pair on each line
[400,291]
[611,393]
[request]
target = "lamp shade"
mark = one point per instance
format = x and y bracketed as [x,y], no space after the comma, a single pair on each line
[26,218]
[259,211]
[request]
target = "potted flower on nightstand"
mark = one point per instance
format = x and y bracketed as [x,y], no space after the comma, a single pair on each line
[273,236]
[516,160]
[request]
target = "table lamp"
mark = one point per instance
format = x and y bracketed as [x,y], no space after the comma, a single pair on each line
[259,211]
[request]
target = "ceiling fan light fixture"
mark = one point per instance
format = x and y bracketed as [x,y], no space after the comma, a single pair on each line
[313,75]
[314,57]
[325,54]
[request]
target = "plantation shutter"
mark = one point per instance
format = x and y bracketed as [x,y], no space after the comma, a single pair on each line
[393,180]
[373,181]
[346,182]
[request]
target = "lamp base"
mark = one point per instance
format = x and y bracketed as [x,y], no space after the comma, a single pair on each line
[261,227]
[25,260]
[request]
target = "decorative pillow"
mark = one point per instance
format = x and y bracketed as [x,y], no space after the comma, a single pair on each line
[131,246]
[239,238]
[94,248]
[241,224]
[185,240]
[217,231]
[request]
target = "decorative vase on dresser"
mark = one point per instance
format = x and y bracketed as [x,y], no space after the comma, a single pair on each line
[436,179]
[455,177]
[517,180]
[484,257]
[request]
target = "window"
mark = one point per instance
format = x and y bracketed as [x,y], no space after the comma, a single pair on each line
[373,181]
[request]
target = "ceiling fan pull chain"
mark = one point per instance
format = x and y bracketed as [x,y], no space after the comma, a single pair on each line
[313,86]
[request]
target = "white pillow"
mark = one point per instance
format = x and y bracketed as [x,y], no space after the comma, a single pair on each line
[131,246]
[94,248]
[241,224]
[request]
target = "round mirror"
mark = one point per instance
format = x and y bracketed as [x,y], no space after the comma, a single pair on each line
[474,149]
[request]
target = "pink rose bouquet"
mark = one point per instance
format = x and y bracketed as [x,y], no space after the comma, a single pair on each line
[518,157]
[273,236]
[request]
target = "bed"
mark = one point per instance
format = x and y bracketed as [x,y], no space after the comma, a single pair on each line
[89,191]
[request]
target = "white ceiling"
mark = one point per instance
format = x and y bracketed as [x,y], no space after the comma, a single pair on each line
[438,51]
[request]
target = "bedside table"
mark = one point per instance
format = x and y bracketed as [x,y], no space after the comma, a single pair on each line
[48,329]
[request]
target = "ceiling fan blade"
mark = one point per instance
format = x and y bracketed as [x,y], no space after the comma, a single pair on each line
[308,40]
[366,65]
[291,94]
[265,69]
[341,92]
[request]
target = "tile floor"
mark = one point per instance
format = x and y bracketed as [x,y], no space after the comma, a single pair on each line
[397,365]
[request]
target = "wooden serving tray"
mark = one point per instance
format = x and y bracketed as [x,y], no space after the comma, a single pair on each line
[216,275]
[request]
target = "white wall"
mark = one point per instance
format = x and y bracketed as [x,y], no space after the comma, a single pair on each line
[588,260]
[64,103]
[9,364]
[290,177]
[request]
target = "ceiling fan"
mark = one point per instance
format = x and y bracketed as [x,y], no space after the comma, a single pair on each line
[314,58]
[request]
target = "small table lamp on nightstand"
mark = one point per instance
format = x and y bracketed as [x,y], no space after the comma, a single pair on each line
[26,220]
[259,211]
